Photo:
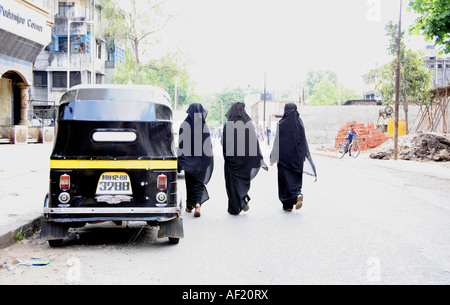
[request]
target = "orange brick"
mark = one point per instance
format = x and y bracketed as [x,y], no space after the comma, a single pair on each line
[370,136]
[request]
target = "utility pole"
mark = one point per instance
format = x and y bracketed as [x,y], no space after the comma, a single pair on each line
[69,22]
[93,45]
[176,93]
[397,83]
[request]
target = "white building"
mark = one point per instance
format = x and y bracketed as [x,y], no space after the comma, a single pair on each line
[62,65]
[25,29]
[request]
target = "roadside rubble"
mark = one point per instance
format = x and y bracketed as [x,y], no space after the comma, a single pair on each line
[421,146]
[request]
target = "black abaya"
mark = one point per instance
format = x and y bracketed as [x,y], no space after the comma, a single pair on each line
[291,151]
[242,155]
[195,156]
[289,186]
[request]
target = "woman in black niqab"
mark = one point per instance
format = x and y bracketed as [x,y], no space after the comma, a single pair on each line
[291,151]
[195,156]
[242,155]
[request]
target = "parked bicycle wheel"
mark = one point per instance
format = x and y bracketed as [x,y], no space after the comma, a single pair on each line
[355,149]
[340,151]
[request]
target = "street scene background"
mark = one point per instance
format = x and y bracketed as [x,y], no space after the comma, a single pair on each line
[364,221]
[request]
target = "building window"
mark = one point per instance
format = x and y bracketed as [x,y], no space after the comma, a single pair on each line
[120,55]
[99,50]
[99,79]
[66,9]
[75,45]
[60,79]
[62,44]
[40,78]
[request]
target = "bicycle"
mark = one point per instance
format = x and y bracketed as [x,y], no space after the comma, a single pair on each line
[354,149]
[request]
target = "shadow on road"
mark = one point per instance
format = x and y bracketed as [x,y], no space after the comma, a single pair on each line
[128,234]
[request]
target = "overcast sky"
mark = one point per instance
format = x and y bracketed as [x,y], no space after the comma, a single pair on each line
[234,42]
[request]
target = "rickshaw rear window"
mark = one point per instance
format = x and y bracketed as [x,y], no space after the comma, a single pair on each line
[107,110]
[114,135]
[117,94]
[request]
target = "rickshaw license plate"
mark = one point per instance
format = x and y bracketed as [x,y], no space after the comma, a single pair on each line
[114,184]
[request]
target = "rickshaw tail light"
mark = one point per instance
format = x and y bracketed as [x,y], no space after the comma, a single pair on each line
[64,182]
[162,182]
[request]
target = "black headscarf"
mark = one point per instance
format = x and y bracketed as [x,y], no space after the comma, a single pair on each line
[242,155]
[291,147]
[198,159]
[237,113]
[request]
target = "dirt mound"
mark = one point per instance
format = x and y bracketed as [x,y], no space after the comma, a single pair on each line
[421,146]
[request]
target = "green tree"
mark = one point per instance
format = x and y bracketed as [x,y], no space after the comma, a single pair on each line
[434,22]
[165,72]
[314,78]
[324,89]
[220,103]
[349,94]
[325,93]
[415,79]
[135,22]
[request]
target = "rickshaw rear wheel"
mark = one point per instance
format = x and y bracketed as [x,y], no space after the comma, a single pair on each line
[174,240]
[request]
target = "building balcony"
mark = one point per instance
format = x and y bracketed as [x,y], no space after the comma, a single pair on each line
[78,26]
[78,61]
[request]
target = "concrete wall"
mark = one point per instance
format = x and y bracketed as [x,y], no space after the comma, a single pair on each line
[322,123]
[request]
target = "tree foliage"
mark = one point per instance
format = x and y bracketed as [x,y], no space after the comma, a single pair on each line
[314,78]
[324,89]
[434,22]
[135,22]
[219,103]
[415,79]
[167,72]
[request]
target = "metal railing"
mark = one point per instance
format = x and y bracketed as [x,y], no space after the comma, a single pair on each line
[42,114]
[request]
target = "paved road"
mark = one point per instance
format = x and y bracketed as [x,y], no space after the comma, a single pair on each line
[364,222]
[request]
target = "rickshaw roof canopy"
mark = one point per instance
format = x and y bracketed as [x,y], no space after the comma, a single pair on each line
[116,103]
[118,93]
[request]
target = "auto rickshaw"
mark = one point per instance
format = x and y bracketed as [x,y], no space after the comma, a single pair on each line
[113,160]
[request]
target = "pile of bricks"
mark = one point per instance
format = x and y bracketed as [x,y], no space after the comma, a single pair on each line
[370,137]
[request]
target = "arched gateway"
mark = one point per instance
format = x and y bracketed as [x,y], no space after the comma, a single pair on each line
[14,98]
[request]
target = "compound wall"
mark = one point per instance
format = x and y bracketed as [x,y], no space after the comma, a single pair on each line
[322,123]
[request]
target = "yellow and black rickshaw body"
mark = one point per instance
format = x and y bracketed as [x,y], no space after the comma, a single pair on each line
[113,160]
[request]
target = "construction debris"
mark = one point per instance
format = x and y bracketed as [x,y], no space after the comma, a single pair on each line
[421,146]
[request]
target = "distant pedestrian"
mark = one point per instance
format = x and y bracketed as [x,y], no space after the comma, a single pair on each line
[243,158]
[351,134]
[195,157]
[268,134]
[291,151]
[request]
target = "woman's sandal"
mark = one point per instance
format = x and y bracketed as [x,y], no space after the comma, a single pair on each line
[299,203]
[197,210]
[246,208]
